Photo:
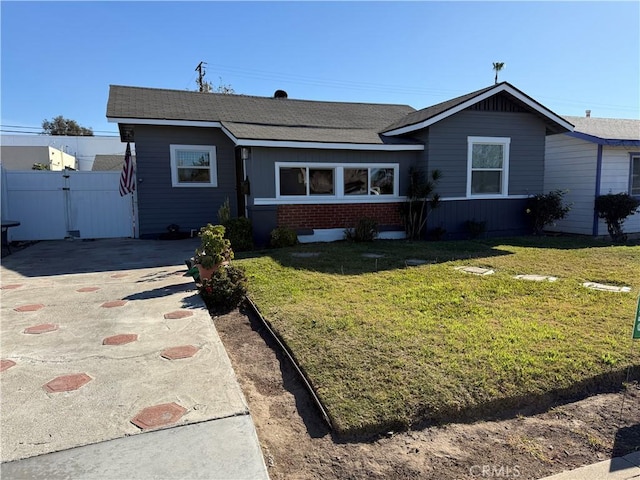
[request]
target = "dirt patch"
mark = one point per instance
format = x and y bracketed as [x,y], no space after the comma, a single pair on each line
[297,444]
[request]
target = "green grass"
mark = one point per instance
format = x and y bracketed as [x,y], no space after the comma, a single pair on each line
[386,346]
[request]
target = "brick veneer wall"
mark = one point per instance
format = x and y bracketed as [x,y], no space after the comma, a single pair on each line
[337,215]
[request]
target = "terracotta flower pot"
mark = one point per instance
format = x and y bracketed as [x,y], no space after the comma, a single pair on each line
[207,273]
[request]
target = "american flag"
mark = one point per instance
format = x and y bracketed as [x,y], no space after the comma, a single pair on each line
[127,181]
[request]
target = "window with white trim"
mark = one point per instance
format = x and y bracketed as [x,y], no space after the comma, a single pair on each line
[634,183]
[336,181]
[193,166]
[488,166]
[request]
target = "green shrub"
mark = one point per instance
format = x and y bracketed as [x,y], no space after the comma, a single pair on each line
[366,230]
[240,233]
[224,212]
[545,209]
[214,248]
[225,290]
[283,237]
[437,233]
[475,228]
[614,209]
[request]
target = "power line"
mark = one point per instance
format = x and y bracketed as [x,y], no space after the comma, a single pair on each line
[40,129]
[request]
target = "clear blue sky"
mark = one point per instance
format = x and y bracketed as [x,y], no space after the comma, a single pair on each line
[59,58]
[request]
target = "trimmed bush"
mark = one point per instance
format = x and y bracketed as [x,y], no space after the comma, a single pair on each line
[475,228]
[614,209]
[225,290]
[366,230]
[545,209]
[240,233]
[283,237]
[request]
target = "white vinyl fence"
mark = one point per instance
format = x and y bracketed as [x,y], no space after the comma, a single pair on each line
[58,205]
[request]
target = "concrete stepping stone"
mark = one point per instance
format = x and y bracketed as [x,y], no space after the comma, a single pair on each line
[476,270]
[158,416]
[305,254]
[373,255]
[606,288]
[536,278]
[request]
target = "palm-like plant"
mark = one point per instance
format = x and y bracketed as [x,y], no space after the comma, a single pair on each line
[497,66]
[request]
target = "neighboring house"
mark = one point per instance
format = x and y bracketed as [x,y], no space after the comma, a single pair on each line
[318,167]
[601,156]
[83,147]
[110,163]
[23,158]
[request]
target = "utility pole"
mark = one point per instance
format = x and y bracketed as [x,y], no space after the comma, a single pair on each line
[201,75]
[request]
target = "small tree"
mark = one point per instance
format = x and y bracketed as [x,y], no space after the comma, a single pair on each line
[497,66]
[420,199]
[64,126]
[545,209]
[614,209]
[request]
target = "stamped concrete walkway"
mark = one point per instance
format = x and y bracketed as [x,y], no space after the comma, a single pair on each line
[110,359]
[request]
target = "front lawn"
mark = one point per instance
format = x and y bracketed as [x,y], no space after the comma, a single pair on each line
[387,345]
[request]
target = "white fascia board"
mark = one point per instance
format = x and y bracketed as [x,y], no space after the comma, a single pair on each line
[500,88]
[329,146]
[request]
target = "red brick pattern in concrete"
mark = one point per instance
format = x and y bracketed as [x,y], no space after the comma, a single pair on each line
[178,314]
[87,289]
[67,383]
[114,303]
[119,275]
[12,286]
[29,308]
[158,416]
[42,328]
[6,364]
[120,339]
[183,351]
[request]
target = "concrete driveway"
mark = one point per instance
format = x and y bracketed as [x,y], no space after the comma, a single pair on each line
[110,359]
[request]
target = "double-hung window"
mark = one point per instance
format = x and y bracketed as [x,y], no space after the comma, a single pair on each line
[336,181]
[634,182]
[487,166]
[193,166]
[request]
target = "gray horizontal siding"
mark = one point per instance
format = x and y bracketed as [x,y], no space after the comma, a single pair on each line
[159,203]
[571,166]
[261,167]
[447,149]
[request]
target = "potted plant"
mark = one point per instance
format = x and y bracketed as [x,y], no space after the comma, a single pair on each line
[214,250]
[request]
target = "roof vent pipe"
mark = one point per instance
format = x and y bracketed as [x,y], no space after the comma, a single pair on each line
[588,113]
[280,94]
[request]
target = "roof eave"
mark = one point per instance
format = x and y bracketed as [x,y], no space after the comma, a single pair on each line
[502,87]
[613,142]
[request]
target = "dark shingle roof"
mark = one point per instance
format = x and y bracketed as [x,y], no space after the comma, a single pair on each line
[109,163]
[249,117]
[607,128]
[430,112]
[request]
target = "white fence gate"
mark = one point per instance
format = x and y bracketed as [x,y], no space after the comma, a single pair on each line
[57,205]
